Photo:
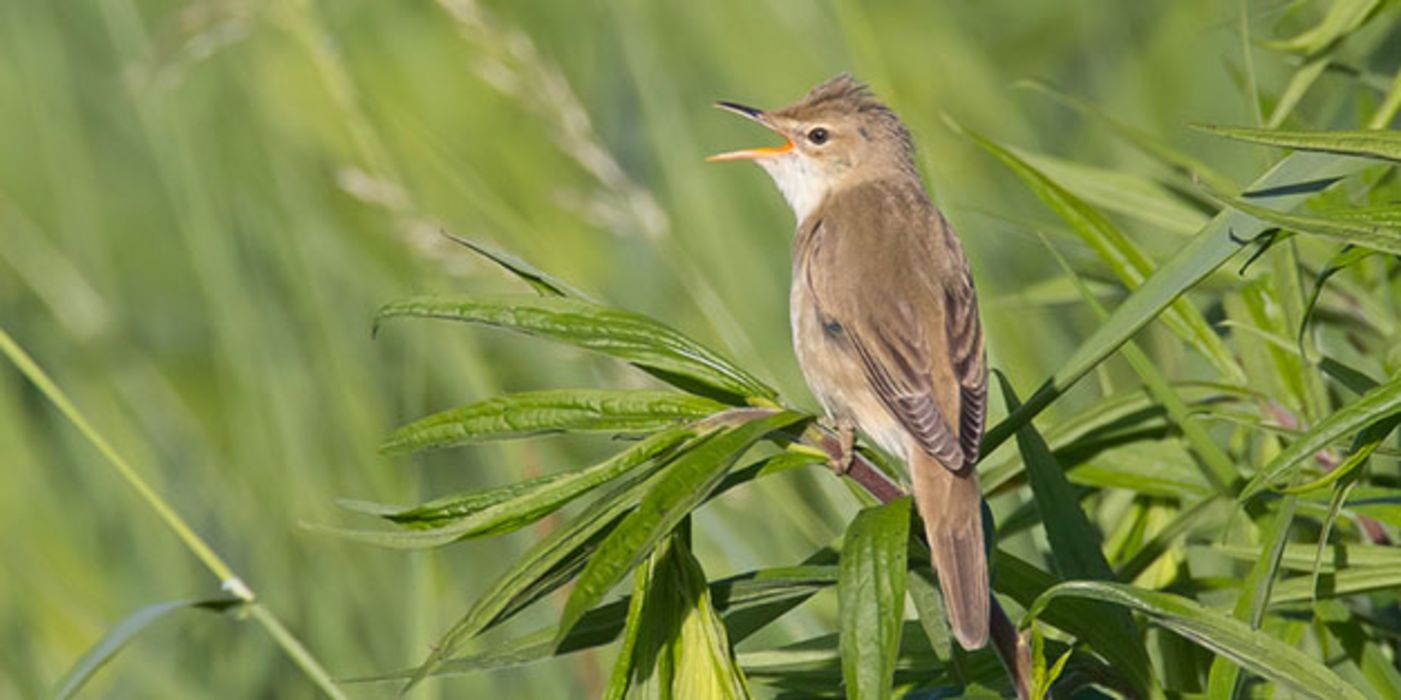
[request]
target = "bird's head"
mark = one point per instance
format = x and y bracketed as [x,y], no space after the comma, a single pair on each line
[836,135]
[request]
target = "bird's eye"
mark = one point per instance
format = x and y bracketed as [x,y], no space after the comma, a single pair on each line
[818,136]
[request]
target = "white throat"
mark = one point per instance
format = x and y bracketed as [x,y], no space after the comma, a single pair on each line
[801,184]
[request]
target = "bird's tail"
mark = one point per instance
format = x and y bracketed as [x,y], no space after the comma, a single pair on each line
[951,506]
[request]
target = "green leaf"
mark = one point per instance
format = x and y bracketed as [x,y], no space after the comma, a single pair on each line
[119,636]
[544,567]
[625,666]
[1372,407]
[701,655]
[1253,650]
[650,345]
[1215,466]
[1117,419]
[1380,143]
[738,597]
[1120,192]
[1378,237]
[544,283]
[680,487]
[930,607]
[540,412]
[871,595]
[1153,146]
[1286,185]
[1223,679]
[1351,581]
[675,646]
[1075,544]
[1129,263]
[1343,18]
[1337,557]
[506,509]
[1346,257]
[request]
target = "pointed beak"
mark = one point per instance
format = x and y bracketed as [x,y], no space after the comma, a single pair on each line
[757,115]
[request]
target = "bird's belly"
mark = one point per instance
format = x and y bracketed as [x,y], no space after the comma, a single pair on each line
[834,374]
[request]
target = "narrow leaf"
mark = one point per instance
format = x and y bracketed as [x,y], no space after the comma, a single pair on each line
[1372,407]
[506,509]
[1127,261]
[1253,650]
[632,337]
[1285,186]
[681,486]
[540,412]
[1075,543]
[544,283]
[871,595]
[1374,236]
[119,636]
[1379,143]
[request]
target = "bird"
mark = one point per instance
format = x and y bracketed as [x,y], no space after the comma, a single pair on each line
[884,316]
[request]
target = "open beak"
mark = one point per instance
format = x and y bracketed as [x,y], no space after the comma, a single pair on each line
[751,153]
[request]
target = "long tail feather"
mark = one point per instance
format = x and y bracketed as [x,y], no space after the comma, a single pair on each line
[951,506]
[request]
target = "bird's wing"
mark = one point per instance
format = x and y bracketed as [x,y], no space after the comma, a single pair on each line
[966,351]
[919,340]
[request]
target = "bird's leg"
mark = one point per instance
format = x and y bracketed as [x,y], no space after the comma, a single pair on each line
[846,446]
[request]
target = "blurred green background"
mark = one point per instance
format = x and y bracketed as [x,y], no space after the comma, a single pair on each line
[202,204]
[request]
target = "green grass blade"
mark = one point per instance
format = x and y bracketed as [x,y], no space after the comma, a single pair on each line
[1075,545]
[1374,236]
[1122,256]
[541,412]
[1372,407]
[871,595]
[1253,650]
[499,511]
[1379,144]
[1285,186]
[735,596]
[1121,192]
[1215,465]
[681,486]
[1343,18]
[1150,145]
[543,283]
[1223,680]
[120,635]
[622,334]
[704,663]
[544,567]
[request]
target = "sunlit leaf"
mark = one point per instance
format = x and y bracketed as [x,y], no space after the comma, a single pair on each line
[1127,261]
[541,412]
[622,334]
[680,487]
[506,509]
[1375,406]
[871,592]
[1379,143]
[1253,650]
[123,633]
[1075,543]
[1285,186]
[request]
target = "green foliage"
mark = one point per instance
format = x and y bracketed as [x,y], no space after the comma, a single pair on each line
[202,203]
[871,594]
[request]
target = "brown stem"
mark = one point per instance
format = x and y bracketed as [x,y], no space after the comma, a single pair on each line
[1012,649]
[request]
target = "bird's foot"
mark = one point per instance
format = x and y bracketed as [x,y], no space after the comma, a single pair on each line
[846,447]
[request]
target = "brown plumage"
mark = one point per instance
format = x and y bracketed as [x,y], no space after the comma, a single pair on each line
[885,320]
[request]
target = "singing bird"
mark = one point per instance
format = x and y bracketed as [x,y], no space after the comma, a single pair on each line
[885,321]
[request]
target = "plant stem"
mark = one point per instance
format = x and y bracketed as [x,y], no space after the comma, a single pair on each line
[1011,647]
[229,581]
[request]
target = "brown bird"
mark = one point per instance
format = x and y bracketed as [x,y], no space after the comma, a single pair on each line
[885,322]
